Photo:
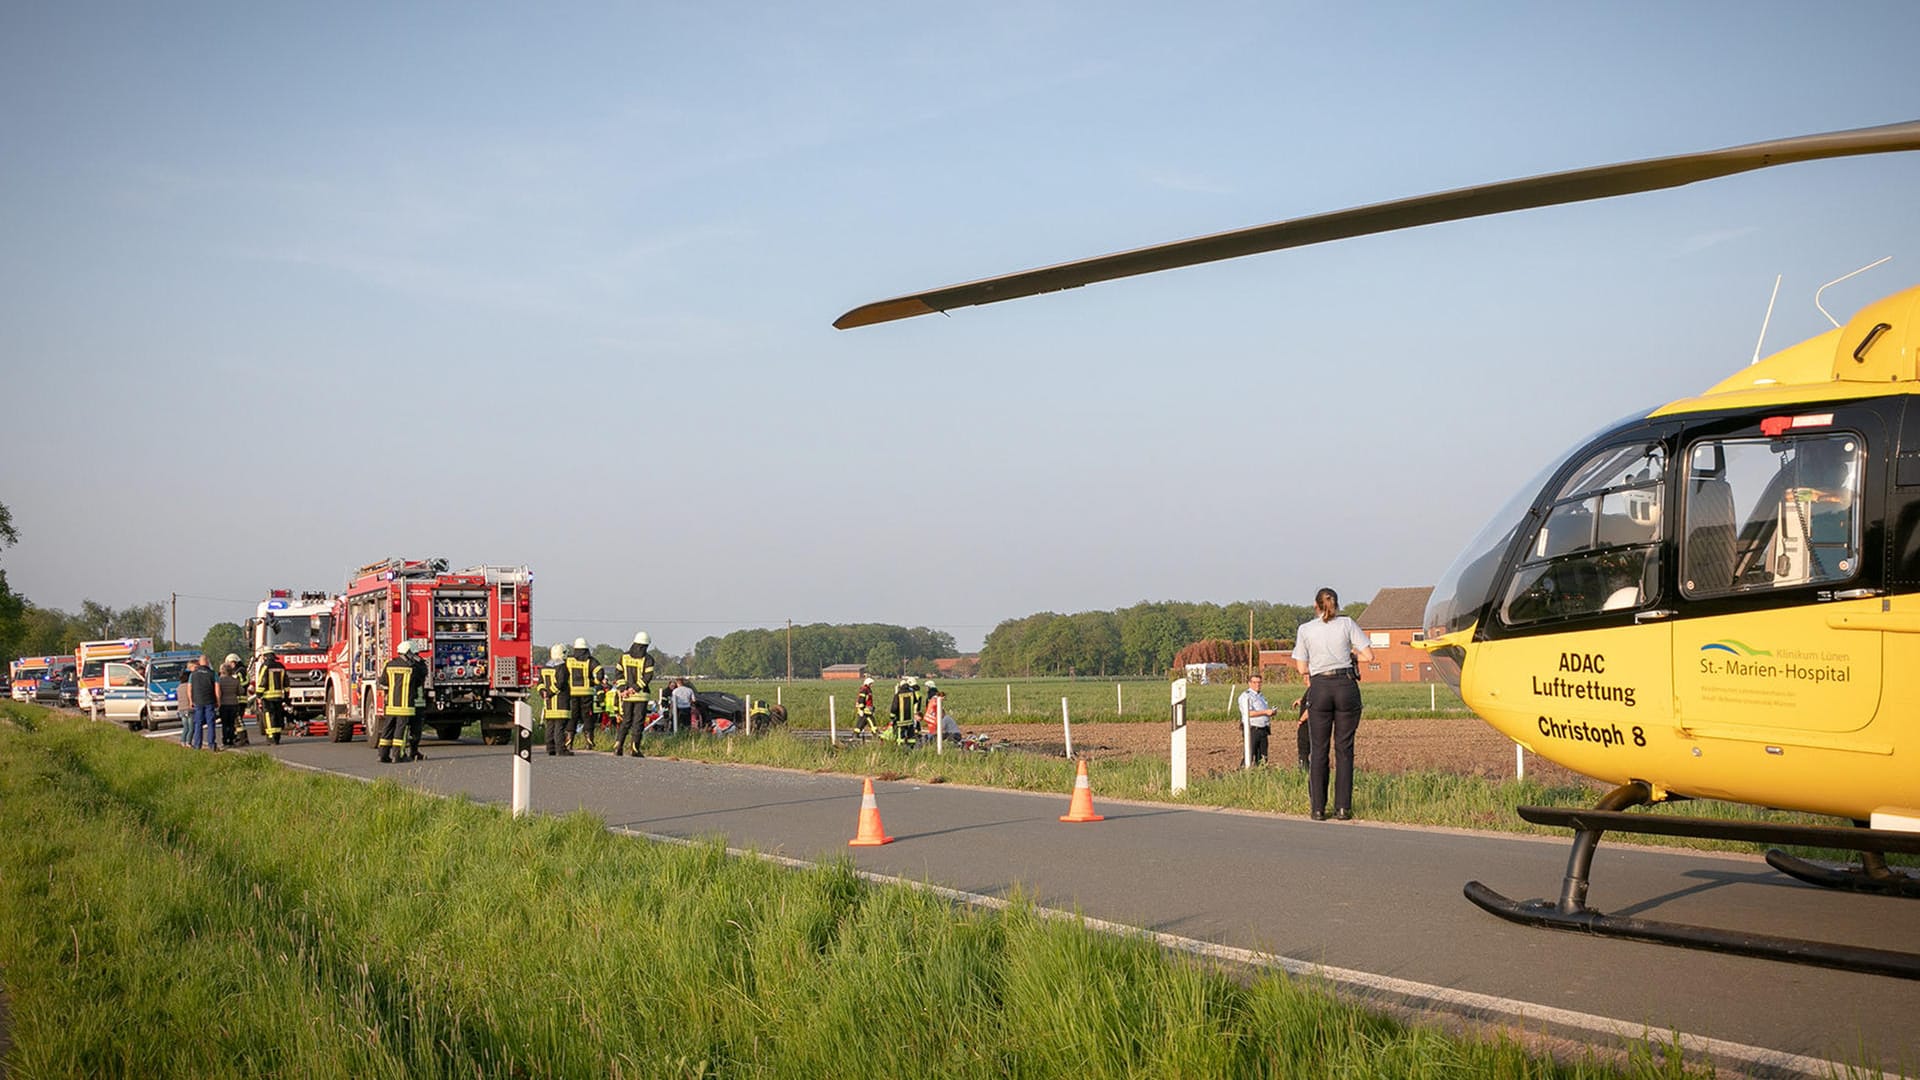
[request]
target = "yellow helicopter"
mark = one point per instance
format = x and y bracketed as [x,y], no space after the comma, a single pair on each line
[1719,598]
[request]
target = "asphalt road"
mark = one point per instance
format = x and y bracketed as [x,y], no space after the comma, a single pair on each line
[1378,905]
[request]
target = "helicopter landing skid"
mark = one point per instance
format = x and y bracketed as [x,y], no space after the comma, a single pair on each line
[1571,912]
[1874,876]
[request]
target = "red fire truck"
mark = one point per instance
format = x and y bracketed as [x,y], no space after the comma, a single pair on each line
[299,627]
[473,628]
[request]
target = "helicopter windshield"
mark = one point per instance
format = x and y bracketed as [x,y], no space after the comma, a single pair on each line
[1464,591]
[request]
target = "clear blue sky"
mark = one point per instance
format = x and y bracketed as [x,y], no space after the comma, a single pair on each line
[284,292]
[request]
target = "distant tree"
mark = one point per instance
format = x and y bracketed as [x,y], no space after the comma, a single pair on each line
[883,659]
[223,638]
[13,607]
[609,658]
[1353,610]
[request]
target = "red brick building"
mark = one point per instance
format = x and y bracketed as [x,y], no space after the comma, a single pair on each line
[844,671]
[1391,622]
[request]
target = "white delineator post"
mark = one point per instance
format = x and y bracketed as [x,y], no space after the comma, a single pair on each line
[1178,750]
[833,723]
[748,698]
[1519,762]
[939,725]
[1246,739]
[522,757]
[1009,699]
[1066,728]
[1119,702]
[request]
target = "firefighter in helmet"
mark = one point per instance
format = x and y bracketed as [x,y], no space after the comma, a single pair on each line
[273,696]
[557,713]
[636,678]
[905,710]
[404,682]
[863,708]
[583,671]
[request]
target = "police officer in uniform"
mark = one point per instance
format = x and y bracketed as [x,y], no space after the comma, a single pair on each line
[405,680]
[558,713]
[582,672]
[273,697]
[636,676]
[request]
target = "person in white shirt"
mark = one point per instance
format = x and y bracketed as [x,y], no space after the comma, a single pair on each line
[1256,719]
[1323,651]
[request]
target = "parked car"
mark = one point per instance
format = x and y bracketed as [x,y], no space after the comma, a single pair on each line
[58,690]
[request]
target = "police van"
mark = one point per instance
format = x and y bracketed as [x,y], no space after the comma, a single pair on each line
[145,692]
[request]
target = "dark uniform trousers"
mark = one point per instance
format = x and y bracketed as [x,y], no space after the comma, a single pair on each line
[1257,739]
[1333,714]
[633,717]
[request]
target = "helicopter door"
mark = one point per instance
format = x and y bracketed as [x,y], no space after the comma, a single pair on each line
[1771,537]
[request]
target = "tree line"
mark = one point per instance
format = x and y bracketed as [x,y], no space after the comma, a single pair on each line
[1138,640]
[762,654]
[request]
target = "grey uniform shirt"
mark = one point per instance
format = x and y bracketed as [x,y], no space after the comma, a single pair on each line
[1328,646]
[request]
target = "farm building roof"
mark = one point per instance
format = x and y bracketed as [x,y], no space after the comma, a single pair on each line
[1396,609]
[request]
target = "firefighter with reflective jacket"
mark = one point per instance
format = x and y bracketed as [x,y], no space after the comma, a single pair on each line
[404,682]
[905,710]
[636,678]
[863,708]
[273,697]
[557,713]
[583,671]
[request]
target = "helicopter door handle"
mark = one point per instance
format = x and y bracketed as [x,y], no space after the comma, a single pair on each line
[1857,594]
[1653,616]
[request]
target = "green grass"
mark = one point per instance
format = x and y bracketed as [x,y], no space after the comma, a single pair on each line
[165,913]
[984,701]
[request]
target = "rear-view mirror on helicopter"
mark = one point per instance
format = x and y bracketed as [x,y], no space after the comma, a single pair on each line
[1715,598]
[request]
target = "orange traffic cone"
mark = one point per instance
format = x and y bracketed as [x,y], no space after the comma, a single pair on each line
[871,833]
[1081,809]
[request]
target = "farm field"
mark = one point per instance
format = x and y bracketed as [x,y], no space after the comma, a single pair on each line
[982,701]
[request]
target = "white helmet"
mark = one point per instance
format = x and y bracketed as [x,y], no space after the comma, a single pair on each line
[868,681]
[232,658]
[641,638]
[406,647]
[579,643]
[556,652]
[911,680]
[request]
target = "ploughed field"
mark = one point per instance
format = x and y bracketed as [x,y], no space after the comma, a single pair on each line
[1461,745]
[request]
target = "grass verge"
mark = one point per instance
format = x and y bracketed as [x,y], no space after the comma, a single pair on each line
[164,914]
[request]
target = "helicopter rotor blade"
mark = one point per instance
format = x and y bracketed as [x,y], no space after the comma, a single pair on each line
[1551,189]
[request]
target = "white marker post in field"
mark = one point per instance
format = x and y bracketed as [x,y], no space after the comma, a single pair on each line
[1178,750]
[1009,699]
[833,723]
[1119,701]
[522,757]
[1246,735]
[1519,762]
[939,724]
[1066,728]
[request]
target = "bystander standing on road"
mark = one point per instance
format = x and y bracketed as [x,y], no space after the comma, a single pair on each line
[1323,651]
[206,697]
[1256,718]
[184,699]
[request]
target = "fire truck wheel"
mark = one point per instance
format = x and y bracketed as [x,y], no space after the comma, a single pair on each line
[449,732]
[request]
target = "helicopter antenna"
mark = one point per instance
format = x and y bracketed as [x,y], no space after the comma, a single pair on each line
[1838,280]
[1764,321]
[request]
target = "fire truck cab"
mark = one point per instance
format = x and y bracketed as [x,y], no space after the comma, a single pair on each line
[299,627]
[473,628]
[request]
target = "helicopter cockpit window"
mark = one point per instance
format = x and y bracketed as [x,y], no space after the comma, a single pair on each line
[1771,513]
[1597,548]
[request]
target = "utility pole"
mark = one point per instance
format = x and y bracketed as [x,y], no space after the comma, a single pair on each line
[1253,660]
[789,650]
[174,634]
